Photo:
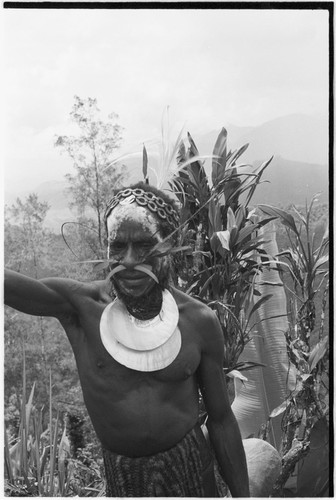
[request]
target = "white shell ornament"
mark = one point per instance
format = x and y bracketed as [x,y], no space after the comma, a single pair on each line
[142,345]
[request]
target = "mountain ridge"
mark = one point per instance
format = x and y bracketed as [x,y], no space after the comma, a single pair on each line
[298,144]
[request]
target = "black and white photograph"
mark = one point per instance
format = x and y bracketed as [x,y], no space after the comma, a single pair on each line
[166,173]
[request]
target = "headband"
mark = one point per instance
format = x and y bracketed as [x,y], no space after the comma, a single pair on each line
[154,203]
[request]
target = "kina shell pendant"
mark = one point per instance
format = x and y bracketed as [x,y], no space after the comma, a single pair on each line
[142,345]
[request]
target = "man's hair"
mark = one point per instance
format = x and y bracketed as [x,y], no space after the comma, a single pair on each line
[167,223]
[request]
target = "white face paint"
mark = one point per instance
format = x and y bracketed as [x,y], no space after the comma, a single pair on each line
[134,214]
[133,231]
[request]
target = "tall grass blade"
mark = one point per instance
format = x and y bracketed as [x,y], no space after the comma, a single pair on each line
[7,458]
[51,482]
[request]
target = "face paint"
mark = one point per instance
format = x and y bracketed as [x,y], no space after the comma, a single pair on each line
[133,232]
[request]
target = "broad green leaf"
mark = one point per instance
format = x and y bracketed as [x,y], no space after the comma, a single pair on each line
[241,215]
[231,220]
[219,158]
[214,216]
[224,238]
[286,218]
[245,232]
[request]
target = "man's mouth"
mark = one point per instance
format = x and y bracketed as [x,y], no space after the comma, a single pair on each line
[137,274]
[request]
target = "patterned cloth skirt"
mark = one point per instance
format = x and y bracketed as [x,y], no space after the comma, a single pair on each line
[177,472]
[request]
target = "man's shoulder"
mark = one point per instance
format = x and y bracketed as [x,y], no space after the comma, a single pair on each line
[191,305]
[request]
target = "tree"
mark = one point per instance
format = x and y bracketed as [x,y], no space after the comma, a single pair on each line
[26,237]
[91,151]
[34,251]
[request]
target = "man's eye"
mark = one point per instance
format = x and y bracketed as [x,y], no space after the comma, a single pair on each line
[117,247]
[145,245]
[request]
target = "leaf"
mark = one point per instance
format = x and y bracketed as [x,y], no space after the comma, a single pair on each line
[259,303]
[145,163]
[317,353]
[279,409]
[248,365]
[266,387]
[322,260]
[231,220]
[224,238]
[219,158]
[259,171]
[236,154]
[286,218]
[236,374]
[214,217]
[245,232]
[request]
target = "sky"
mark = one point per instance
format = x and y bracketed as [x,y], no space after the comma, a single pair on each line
[211,67]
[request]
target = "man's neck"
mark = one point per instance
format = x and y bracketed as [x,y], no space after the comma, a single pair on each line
[144,308]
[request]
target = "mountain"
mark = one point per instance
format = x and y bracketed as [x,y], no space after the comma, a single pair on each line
[299,144]
[296,137]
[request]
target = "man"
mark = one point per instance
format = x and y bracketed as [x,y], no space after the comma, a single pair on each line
[142,357]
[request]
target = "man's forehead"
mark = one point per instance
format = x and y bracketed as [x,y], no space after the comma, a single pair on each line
[133,214]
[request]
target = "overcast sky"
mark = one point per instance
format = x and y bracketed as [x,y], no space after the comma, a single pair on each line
[212,67]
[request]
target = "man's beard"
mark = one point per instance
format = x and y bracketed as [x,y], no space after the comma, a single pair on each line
[148,305]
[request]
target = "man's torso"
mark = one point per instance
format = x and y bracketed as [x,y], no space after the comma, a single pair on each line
[136,413]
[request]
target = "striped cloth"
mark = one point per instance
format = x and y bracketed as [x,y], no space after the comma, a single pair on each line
[176,472]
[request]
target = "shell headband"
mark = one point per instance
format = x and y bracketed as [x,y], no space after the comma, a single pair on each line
[144,199]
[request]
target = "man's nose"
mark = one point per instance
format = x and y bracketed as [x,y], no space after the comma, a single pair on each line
[129,259]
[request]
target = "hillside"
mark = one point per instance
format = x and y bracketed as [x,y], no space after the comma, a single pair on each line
[299,138]
[299,144]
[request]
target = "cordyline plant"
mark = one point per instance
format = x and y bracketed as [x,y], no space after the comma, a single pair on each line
[222,230]
[307,261]
[219,230]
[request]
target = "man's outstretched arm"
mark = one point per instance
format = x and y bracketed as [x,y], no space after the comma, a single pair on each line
[222,425]
[46,297]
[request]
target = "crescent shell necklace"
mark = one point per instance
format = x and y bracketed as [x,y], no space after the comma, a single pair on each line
[142,345]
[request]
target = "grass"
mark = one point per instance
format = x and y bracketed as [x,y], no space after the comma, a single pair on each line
[38,460]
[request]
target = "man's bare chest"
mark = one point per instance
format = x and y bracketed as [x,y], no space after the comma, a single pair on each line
[93,360]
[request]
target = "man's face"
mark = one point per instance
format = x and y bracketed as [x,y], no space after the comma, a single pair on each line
[133,231]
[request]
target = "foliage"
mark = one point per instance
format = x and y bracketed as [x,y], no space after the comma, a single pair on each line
[38,460]
[268,385]
[33,250]
[91,152]
[26,238]
[229,267]
[307,261]
[227,252]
